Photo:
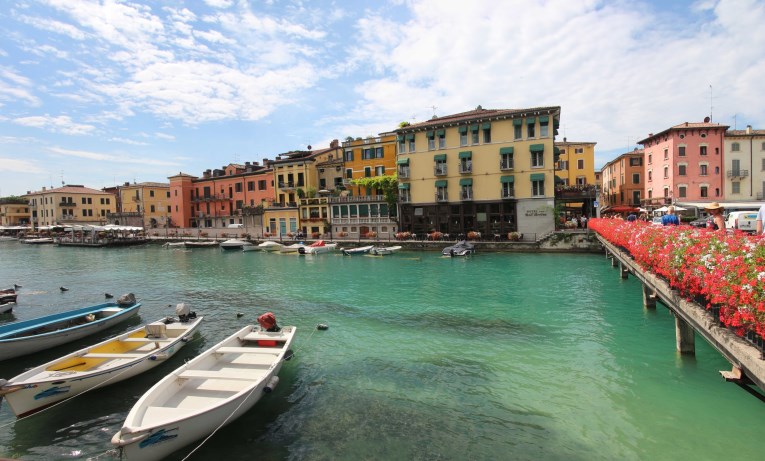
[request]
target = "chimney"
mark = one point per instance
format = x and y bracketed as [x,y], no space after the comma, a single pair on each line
[564,139]
[43,188]
[749,129]
[127,183]
[334,144]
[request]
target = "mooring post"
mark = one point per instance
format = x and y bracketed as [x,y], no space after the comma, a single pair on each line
[613,261]
[623,271]
[684,336]
[649,297]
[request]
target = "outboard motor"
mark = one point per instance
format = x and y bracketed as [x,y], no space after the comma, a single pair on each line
[126,299]
[184,312]
[267,321]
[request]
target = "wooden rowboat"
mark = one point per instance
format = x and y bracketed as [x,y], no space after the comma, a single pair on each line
[208,392]
[107,362]
[29,336]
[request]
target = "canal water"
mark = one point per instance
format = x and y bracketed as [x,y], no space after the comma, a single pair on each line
[498,356]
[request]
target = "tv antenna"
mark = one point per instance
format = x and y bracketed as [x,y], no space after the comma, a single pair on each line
[710,102]
[433,108]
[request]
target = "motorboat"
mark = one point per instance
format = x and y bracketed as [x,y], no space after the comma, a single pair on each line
[235,244]
[105,363]
[29,336]
[250,248]
[7,307]
[294,248]
[208,392]
[358,250]
[202,243]
[317,247]
[174,245]
[380,251]
[8,295]
[461,248]
[270,245]
[37,241]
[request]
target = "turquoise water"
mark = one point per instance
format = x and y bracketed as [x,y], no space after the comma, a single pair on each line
[499,356]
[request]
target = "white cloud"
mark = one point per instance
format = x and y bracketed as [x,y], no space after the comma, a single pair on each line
[219,3]
[54,26]
[60,124]
[132,142]
[14,86]
[15,165]
[112,158]
[164,136]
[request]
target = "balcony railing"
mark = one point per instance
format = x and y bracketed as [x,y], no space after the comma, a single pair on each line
[506,164]
[357,198]
[442,196]
[466,168]
[136,199]
[467,194]
[737,173]
[286,185]
[363,220]
[403,172]
[405,198]
[508,193]
[211,198]
[67,204]
[439,170]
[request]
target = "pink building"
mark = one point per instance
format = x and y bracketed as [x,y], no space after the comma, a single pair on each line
[685,163]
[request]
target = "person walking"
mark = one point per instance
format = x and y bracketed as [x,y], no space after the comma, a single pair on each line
[715,209]
[670,219]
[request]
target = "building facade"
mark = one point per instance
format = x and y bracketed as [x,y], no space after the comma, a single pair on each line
[144,204]
[234,194]
[576,163]
[70,204]
[486,170]
[623,183]
[684,163]
[745,165]
[14,211]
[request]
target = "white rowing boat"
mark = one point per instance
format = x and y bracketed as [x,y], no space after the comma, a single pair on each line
[107,362]
[385,250]
[207,393]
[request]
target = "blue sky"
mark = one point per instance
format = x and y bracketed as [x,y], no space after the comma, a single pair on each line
[103,92]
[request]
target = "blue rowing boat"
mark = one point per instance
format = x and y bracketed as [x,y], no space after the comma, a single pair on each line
[29,336]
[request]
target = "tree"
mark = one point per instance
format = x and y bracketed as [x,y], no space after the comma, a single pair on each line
[387,184]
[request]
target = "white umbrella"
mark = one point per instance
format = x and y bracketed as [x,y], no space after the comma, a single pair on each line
[679,208]
[662,209]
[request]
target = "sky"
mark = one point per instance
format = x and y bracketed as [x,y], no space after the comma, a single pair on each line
[100,93]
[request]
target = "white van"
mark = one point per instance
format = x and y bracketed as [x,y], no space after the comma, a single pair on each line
[742,220]
[236,226]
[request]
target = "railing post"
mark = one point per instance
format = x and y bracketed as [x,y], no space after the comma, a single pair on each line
[685,337]
[649,297]
[623,271]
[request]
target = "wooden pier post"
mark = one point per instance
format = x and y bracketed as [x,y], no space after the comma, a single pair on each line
[623,270]
[649,297]
[613,261]
[685,337]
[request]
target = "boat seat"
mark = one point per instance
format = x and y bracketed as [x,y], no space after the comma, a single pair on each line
[216,374]
[147,340]
[260,336]
[98,355]
[248,350]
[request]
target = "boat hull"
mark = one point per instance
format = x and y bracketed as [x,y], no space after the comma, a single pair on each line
[176,418]
[55,386]
[19,346]
[309,250]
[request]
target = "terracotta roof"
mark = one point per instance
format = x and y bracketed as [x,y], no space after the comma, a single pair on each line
[744,133]
[685,126]
[181,175]
[71,190]
[479,114]
[148,184]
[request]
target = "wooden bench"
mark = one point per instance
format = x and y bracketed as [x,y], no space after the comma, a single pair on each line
[147,340]
[265,337]
[98,355]
[216,374]
[248,350]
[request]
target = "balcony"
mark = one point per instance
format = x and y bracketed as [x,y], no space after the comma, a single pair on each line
[212,198]
[405,198]
[67,204]
[506,164]
[737,173]
[466,168]
[135,199]
[442,196]
[403,172]
[357,198]
[508,193]
[439,170]
[286,185]
[363,220]
[467,194]
[347,182]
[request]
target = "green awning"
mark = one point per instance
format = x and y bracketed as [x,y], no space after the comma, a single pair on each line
[558,180]
[556,151]
[544,119]
[466,182]
[463,129]
[403,185]
[556,123]
[400,138]
[466,154]
[506,150]
[474,127]
[403,161]
[509,178]
[440,132]
[517,122]
[537,148]
[441,183]
[531,120]
[537,177]
[438,157]
[429,134]
[486,126]
[410,137]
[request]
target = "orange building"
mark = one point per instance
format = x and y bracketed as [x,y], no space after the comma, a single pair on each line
[623,183]
[234,194]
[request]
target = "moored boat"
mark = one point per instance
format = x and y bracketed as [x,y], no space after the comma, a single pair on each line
[174,245]
[234,244]
[380,251]
[357,251]
[8,296]
[461,248]
[29,336]
[270,245]
[317,247]
[7,307]
[107,362]
[294,248]
[37,241]
[206,393]
[201,244]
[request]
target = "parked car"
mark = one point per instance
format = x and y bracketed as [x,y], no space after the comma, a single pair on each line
[701,222]
[742,220]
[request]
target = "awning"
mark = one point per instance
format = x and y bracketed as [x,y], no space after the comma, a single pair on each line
[463,129]
[439,157]
[506,150]
[441,183]
[623,209]
[466,154]
[410,137]
[403,161]
[429,133]
[474,127]
[400,138]
[544,119]
[486,125]
[403,185]
[466,182]
[508,178]
[531,120]
[517,122]
[440,132]
[537,148]
[537,177]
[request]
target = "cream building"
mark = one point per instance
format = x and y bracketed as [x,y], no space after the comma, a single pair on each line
[744,165]
[70,204]
[14,212]
[145,204]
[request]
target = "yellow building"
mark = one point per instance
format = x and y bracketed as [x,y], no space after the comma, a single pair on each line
[70,204]
[576,163]
[14,211]
[359,211]
[145,204]
[486,170]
